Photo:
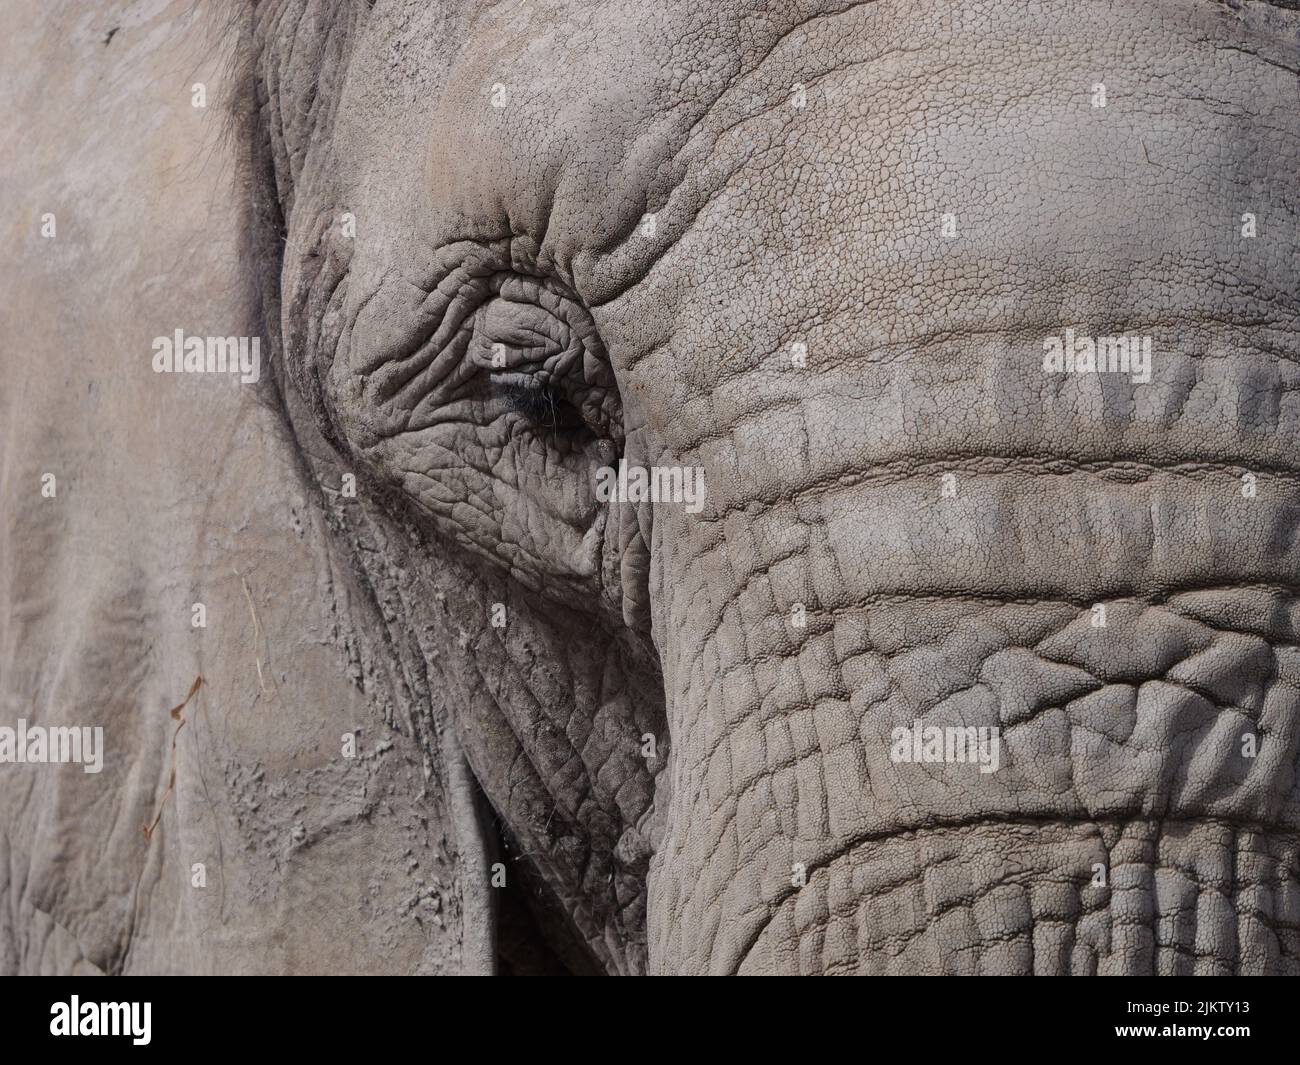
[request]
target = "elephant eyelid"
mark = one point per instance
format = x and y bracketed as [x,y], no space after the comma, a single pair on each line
[533,344]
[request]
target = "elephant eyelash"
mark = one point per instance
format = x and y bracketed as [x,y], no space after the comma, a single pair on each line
[540,404]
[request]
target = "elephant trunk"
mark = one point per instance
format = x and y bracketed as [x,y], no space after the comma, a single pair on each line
[915,731]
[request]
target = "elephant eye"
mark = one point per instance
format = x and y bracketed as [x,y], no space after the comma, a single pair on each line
[537,399]
[540,350]
[486,397]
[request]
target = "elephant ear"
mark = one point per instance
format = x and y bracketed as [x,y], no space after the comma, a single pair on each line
[309,808]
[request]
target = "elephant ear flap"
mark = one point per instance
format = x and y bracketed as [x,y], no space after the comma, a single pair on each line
[477,850]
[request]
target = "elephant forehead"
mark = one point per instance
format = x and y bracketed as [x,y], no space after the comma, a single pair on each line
[892,254]
[564,124]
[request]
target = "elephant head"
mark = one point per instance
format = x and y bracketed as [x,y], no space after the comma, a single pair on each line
[825,470]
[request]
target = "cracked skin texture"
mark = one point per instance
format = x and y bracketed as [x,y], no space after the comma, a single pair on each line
[821,224]
[499,324]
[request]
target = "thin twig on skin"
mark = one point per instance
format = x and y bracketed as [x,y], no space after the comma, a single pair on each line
[257,631]
[171,782]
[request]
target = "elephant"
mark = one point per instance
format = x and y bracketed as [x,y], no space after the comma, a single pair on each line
[615,488]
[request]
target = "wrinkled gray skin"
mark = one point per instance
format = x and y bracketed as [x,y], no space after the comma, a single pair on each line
[383,225]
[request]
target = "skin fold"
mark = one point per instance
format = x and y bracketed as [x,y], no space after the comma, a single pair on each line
[818,252]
